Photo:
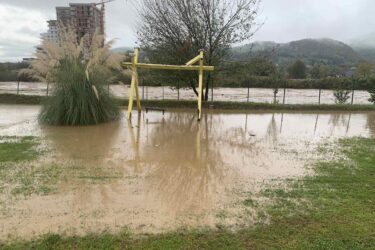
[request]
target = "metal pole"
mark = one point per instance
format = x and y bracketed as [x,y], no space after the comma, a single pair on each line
[143,88]
[353,92]
[134,85]
[47,88]
[284,95]
[178,90]
[18,86]
[163,93]
[200,84]
[212,91]
[248,91]
[320,94]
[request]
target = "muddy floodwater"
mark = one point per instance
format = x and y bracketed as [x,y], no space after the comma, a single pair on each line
[159,173]
[258,95]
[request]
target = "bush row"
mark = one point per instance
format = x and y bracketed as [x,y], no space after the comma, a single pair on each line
[252,82]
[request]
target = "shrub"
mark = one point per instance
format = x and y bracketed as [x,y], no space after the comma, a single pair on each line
[81,71]
[371,90]
[341,95]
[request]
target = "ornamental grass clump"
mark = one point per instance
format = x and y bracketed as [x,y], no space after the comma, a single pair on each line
[80,73]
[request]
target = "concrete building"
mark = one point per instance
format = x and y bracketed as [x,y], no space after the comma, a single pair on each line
[52,34]
[85,18]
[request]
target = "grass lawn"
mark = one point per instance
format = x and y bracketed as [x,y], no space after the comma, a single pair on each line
[18,175]
[13,149]
[334,209]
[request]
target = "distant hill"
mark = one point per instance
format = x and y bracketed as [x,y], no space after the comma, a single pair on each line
[311,51]
[365,47]
[367,41]
[122,49]
[367,54]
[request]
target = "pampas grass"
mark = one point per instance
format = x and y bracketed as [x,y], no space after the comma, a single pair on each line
[81,74]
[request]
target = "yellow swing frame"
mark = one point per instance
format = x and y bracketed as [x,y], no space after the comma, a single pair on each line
[135,65]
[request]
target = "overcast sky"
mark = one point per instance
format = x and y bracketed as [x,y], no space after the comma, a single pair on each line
[22,21]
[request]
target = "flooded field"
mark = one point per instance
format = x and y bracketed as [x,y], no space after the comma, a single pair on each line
[259,95]
[158,173]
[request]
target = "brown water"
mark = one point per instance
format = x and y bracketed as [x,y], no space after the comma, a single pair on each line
[258,95]
[159,173]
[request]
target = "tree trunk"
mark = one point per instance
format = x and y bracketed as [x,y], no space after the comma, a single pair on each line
[192,85]
[208,80]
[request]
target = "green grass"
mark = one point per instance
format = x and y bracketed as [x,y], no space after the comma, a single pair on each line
[334,209]
[13,149]
[174,104]
[18,175]
[22,99]
[25,180]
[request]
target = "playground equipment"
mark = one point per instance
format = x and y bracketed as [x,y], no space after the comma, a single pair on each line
[135,65]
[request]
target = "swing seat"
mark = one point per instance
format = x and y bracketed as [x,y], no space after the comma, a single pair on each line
[154,109]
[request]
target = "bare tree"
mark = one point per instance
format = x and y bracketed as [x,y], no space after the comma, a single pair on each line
[173,31]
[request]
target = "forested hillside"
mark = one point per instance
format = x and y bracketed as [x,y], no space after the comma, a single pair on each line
[310,51]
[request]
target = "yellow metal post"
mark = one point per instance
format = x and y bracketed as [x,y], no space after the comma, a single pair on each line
[200,93]
[134,65]
[134,84]
[137,94]
[167,67]
[193,61]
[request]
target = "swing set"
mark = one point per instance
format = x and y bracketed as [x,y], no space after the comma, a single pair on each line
[134,65]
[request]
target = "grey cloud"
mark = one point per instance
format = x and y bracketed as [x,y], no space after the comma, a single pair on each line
[285,20]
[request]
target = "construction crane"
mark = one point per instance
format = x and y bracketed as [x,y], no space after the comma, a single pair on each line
[103,2]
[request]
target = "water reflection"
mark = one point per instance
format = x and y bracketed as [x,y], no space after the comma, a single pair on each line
[316,123]
[338,119]
[88,144]
[135,143]
[187,168]
[177,154]
[84,156]
[272,129]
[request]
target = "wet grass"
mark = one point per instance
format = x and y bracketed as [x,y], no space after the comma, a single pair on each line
[334,209]
[18,175]
[25,180]
[21,175]
[174,104]
[14,149]
[22,99]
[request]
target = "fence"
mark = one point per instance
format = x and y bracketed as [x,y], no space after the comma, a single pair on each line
[258,95]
